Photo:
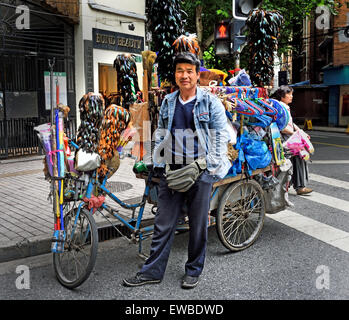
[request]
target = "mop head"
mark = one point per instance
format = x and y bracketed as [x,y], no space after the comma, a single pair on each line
[232,153]
[64,109]
[149,58]
[207,76]
[187,44]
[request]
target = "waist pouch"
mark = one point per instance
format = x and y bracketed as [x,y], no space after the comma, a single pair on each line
[182,179]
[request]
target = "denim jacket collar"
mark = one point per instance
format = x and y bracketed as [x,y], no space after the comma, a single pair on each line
[173,96]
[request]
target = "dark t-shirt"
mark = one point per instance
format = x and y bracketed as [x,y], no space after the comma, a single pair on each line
[184,138]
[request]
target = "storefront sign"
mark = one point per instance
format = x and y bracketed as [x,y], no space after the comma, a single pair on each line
[88,58]
[108,40]
[60,84]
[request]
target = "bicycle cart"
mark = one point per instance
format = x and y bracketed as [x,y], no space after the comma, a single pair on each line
[237,209]
[238,202]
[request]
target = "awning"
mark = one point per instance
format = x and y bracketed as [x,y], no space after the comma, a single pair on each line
[307,84]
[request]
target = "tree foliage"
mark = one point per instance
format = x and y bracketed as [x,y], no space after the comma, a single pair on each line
[212,11]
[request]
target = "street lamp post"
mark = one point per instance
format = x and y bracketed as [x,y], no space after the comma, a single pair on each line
[51,64]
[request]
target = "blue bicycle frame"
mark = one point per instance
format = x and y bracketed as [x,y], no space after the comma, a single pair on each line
[93,182]
[143,233]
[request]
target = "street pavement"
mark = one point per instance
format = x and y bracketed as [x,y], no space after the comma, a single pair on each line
[302,252]
[26,219]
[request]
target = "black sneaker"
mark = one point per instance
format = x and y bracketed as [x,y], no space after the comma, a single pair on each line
[139,280]
[189,282]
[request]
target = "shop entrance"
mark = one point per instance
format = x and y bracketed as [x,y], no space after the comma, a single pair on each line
[108,83]
[24,56]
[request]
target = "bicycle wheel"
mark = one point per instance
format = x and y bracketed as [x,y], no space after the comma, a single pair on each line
[74,265]
[240,215]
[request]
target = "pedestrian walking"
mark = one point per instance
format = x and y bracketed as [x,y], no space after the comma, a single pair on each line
[190,154]
[300,174]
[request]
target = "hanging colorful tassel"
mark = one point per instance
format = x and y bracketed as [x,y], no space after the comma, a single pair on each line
[115,121]
[127,79]
[264,28]
[91,108]
[187,44]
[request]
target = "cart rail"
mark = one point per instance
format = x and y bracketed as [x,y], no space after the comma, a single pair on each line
[221,182]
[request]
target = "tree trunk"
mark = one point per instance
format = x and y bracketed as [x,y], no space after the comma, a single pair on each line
[208,42]
[199,27]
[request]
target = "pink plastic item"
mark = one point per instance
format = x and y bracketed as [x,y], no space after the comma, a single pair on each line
[299,144]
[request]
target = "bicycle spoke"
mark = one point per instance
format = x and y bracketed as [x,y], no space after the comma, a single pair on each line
[235,229]
[229,227]
[251,225]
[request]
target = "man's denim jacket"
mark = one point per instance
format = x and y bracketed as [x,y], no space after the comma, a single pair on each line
[211,128]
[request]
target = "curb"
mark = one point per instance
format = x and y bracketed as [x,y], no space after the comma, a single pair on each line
[329,129]
[22,159]
[25,248]
[41,245]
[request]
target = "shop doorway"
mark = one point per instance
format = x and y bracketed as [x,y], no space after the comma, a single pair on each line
[344,106]
[108,84]
[24,56]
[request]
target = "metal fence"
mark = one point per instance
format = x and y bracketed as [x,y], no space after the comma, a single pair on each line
[17,136]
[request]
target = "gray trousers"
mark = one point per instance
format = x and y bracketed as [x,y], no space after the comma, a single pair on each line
[170,204]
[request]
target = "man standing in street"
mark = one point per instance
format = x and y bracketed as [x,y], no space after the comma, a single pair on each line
[192,126]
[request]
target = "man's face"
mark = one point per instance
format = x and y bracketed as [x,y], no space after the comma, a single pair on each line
[186,76]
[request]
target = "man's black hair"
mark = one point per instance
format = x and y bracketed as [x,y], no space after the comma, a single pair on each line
[187,57]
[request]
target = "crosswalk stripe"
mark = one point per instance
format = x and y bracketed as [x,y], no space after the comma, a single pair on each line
[326,200]
[330,181]
[318,230]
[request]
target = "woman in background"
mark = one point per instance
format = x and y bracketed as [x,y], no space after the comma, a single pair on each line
[300,168]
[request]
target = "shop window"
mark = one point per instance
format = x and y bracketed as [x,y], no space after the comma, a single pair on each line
[107,81]
[345,105]
[20,72]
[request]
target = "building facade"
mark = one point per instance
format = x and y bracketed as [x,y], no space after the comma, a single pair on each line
[107,28]
[323,67]
[82,38]
[337,75]
[32,33]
